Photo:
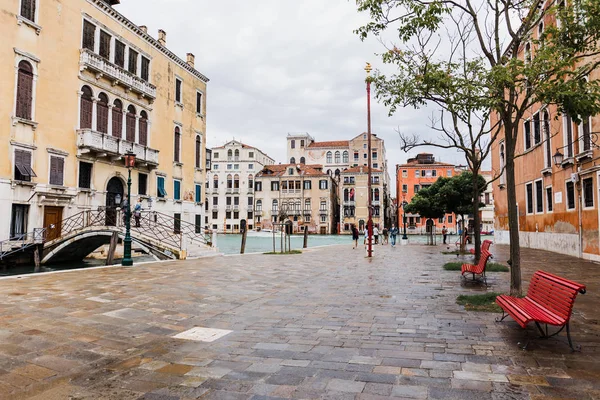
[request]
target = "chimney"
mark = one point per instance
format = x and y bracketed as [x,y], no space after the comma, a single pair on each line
[144,28]
[191,59]
[162,37]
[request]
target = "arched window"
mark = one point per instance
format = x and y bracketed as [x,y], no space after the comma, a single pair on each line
[229,181]
[352,194]
[345,157]
[307,204]
[216,181]
[337,157]
[85,120]
[198,151]
[229,154]
[144,128]
[177,145]
[302,160]
[337,172]
[102,113]
[117,118]
[376,195]
[528,53]
[258,205]
[502,164]
[346,195]
[236,181]
[25,91]
[329,155]
[547,143]
[130,124]
[275,206]
[237,155]
[250,182]
[292,160]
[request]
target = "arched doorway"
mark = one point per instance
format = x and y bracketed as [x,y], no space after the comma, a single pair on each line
[114,197]
[361,225]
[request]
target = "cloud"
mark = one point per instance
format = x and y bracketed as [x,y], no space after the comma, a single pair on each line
[279,66]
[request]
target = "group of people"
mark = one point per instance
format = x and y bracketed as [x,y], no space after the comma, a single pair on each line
[392,233]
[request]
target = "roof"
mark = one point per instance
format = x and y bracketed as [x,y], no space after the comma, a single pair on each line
[360,170]
[333,143]
[426,165]
[245,146]
[302,169]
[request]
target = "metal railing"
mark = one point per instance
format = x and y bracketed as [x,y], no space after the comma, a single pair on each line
[21,242]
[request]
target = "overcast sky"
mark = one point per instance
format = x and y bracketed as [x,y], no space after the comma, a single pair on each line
[279,66]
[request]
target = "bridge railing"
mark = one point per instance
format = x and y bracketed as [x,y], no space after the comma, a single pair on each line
[21,242]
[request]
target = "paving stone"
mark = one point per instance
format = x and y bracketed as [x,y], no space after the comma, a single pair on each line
[411,392]
[479,376]
[341,385]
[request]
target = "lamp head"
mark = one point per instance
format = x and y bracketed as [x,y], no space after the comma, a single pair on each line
[130,159]
[368,69]
[558,158]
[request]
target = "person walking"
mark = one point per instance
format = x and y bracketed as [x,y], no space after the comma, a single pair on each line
[444,233]
[137,212]
[355,236]
[384,240]
[393,234]
[376,234]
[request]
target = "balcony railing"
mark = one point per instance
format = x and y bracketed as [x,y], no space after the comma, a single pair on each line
[349,203]
[228,208]
[236,190]
[323,212]
[101,143]
[229,190]
[215,190]
[236,208]
[89,59]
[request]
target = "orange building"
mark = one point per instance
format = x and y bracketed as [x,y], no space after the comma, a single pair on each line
[557,203]
[418,173]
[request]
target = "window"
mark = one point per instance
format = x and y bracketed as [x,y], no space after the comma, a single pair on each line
[529,197]
[323,205]
[250,201]
[292,144]
[307,185]
[198,151]
[142,184]
[527,133]
[292,160]
[337,157]
[178,90]
[537,129]
[539,197]
[85,175]
[290,171]
[85,119]
[229,181]
[130,124]
[275,186]
[434,172]
[258,205]
[323,184]
[117,118]
[417,173]
[145,73]
[585,141]
[120,54]
[23,170]
[404,188]
[102,113]
[364,146]
[329,157]
[198,223]
[143,129]
[356,156]
[215,215]
[216,155]
[549,199]
[416,188]
[89,33]
[236,181]
[365,155]
[215,201]
[216,181]
[345,157]
[546,135]
[198,194]
[568,135]
[198,102]
[236,166]
[258,186]
[176,223]
[229,166]
[449,219]
[28,9]
[177,145]
[160,187]
[275,206]
[374,155]
[236,155]
[24,91]
[250,182]
[375,165]
[133,57]
[236,215]
[105,45]
[250,167]
[176,190]
[570,195]
[502,163]
[57,167]
[588,192]
[448,172]
[251,154]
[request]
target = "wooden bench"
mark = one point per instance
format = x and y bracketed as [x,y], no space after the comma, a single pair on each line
[549,301]
[485,246]
[476,269]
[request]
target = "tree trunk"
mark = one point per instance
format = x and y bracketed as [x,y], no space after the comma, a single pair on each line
[462,241]
[476,216]
[513,217]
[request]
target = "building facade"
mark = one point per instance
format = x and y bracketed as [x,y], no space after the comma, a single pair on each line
[230,189]
[487,211]
[354,201]
[303,194]
[557,201]
[81,86]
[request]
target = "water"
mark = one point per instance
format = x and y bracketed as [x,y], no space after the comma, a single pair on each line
[230,243]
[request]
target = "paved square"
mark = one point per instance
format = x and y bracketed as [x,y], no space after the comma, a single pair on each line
[327,323]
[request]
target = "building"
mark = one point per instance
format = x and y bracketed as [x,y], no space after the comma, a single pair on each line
[418,173]
[353,193]
[487,212]
[230,190]
[81,86]
[303,194]
[340,155]
[557,200]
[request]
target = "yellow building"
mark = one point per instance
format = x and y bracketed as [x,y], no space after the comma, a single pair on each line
[81,85]
[353,189]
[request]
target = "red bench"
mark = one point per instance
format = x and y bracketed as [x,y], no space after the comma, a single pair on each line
[477,269]
[485,246]
[549,301]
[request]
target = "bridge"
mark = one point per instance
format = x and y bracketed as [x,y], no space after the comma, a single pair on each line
[159,235]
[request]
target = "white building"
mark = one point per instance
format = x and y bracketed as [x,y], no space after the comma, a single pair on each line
[230,186]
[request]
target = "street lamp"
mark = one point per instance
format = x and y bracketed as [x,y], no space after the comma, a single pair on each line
[127,260]
[369,207]
[404,204]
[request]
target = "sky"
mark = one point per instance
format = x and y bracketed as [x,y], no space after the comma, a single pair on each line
[280,66]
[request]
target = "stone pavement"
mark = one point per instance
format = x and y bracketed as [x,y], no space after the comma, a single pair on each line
[324,324]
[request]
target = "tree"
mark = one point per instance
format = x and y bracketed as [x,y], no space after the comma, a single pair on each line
[428,203]
[472,57]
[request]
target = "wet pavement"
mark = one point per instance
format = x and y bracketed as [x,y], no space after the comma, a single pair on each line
[324,324]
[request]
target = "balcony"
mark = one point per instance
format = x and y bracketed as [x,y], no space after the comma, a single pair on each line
[228,208]
[258,212]
[323,212]
[109,146]
[375,202]
[236,190]
[229,190]
[103,67]
[215,207]
[349,203]
[236,208]
[215,191]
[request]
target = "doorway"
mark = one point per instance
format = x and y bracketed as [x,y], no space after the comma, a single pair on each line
[52,222]
[114,198]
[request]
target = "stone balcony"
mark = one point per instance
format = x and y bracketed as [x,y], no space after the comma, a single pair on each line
[102,67]
[103,145]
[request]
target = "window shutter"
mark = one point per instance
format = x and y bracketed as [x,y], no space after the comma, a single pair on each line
[177,141]
[199,103]
[105,45]
[89,31]
[86,113]
[130,136]
[102,117]
[117,122]
[143,131]
[28,9]
[177,190]
[145,69]
[120,54]
[198,194]
[198,149]
[133,55]
[24,94]
[56,170]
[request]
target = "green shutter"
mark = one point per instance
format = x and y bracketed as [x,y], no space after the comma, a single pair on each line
[176,190]
[198,194]
[161,187]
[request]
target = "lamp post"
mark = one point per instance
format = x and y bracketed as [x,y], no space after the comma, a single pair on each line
[404,204]
[369,206]
[127,260]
